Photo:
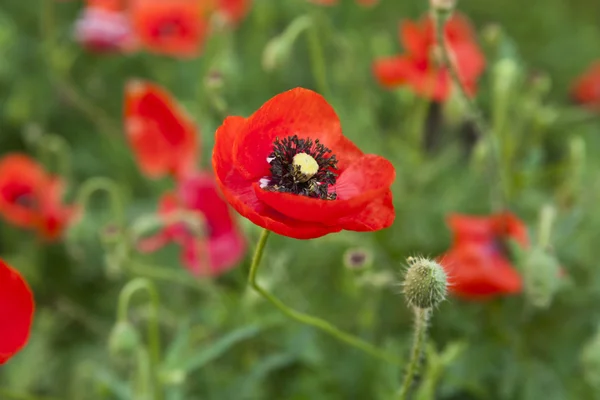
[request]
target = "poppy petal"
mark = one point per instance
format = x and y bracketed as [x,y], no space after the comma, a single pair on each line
[393,71]
[300,112]
[379,214]
[16,312]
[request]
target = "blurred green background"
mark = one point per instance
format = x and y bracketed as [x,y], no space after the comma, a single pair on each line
[222,342]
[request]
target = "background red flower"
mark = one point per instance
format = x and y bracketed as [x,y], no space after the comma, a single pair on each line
[163,137]
[174,27]
[16,312]
[478,265]
[418,67]
[31,198]
[220,247]
[586,88]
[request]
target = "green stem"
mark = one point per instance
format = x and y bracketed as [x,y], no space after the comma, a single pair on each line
[317,58]
[8,395]
[92,185]
[476,116]
[153,323]
[419,117]
[305,318]
[547,216]
[420,333]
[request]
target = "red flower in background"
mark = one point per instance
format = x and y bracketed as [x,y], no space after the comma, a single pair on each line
[222,246]
[31,198]
[586,88]
[419,67]
[288,168]
[16,312]
[104,26]
[334,2]
[477,264]
[173,27]
[161,134]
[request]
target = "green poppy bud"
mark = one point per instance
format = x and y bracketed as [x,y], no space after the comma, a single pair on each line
[123,340]
[425,283]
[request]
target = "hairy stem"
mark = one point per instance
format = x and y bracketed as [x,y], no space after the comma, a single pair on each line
[420,333]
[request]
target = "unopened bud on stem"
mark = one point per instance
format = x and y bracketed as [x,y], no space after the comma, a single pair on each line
[425,283]
[442,5]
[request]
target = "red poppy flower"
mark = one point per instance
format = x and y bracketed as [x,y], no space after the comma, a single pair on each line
[104,27]
[586,88]
[16,312]
[366,3]
[419,67]
[31,198]
[162,135]
[477,263]
[288,168]
[173,27]
[222,246]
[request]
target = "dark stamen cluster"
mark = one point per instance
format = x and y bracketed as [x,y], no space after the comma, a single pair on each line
[285,176]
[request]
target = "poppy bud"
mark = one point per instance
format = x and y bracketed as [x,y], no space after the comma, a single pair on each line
[506,72]
[279,48]
[173,377]
[425,283]
[541,275]
[590,361]
[358,259]
[123,340]
[491,34]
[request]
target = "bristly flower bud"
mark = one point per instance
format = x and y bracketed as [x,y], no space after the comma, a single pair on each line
[123,340]
[425,283]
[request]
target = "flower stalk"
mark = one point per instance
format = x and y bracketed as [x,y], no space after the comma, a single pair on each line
[441,16]
[307,319]
[414,364]
[153,323]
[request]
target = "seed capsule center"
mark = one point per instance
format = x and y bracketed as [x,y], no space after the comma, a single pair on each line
[305,167]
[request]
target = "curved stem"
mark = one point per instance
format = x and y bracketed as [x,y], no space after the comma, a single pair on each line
[153,324]
[317,58]
[420,332]
[305,318]
[497,195]
[92,185]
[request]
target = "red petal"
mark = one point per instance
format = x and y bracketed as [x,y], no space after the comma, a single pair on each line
[16,312]
[474,273]
[377,215]
[162,135]
[239,193]
[346,153]
[299,112]
[393,71]
[415,39]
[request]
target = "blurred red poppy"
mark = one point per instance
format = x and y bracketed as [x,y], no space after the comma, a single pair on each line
[334,2]
[419,67]
[221,247]
[288,168]
[173,27]
[586,88]
[162,135]
[31,198]
[104,26]
[16,312]
[478,265]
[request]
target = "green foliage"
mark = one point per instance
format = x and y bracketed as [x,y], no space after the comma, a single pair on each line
[219,339]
